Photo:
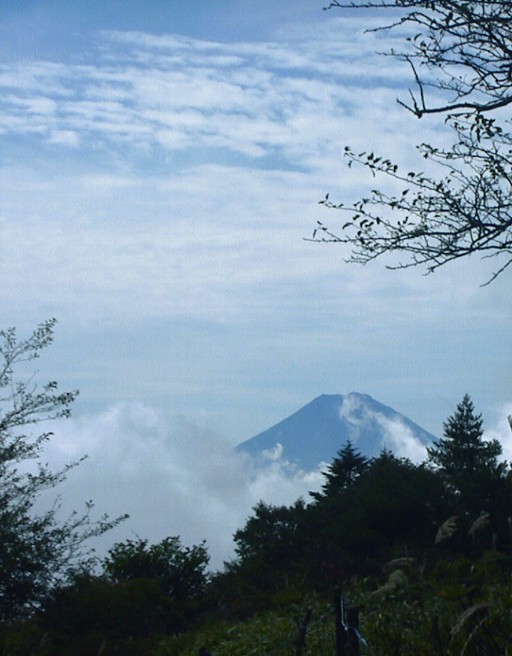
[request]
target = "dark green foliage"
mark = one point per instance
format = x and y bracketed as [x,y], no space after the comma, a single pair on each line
[429,607]
[36,550]
[444,594]
[447,596]
[394,505]
[180,570]
[462,450]
[462,456]
[145,592]
[380,506]
[270,555]
[371,510]
[272,532]
[343,472]
[398,501]
[271,632]
[471,471]
[444,607]
[97,606]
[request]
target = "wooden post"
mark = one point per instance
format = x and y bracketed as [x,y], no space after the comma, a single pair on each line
[300,641]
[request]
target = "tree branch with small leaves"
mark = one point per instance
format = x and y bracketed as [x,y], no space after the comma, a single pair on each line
[463,50]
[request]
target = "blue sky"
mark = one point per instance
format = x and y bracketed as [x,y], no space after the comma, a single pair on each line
[160,164]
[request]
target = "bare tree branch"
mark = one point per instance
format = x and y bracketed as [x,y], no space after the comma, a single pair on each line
[463,50]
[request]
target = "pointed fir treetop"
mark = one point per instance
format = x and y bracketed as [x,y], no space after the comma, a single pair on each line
[343,471]
[462,448]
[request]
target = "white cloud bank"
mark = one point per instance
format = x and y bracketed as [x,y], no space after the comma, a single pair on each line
[396,436]
[174,478]
[171,477]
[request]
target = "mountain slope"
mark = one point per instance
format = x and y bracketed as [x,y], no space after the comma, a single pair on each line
[317,431]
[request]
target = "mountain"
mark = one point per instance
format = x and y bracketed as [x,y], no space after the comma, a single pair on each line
[317,431]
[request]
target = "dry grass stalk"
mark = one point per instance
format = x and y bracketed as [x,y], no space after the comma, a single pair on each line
[472,635]
[406,562]
[479,523]
[396,579]
[468,614]
[447,529]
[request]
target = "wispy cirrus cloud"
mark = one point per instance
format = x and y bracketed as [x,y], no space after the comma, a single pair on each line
[170,179]
[179,93]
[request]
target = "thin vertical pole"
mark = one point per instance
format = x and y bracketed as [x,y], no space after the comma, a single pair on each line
[352,646]
[341,634]
[346,623]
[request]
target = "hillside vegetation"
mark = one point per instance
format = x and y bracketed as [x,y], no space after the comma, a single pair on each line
[422,552]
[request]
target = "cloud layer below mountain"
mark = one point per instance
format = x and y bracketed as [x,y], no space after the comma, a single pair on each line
[174,478]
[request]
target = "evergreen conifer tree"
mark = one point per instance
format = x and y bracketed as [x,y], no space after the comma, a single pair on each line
[468,464]
[343,471]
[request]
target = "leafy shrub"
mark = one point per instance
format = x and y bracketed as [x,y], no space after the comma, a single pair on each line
[273,632]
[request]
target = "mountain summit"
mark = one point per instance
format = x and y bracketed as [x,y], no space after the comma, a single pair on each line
[317,431]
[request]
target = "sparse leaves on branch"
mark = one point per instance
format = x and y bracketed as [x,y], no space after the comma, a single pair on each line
[463,52]
[461,48]
[36,548]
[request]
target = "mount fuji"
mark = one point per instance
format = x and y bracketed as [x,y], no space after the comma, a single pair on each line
[316,432]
